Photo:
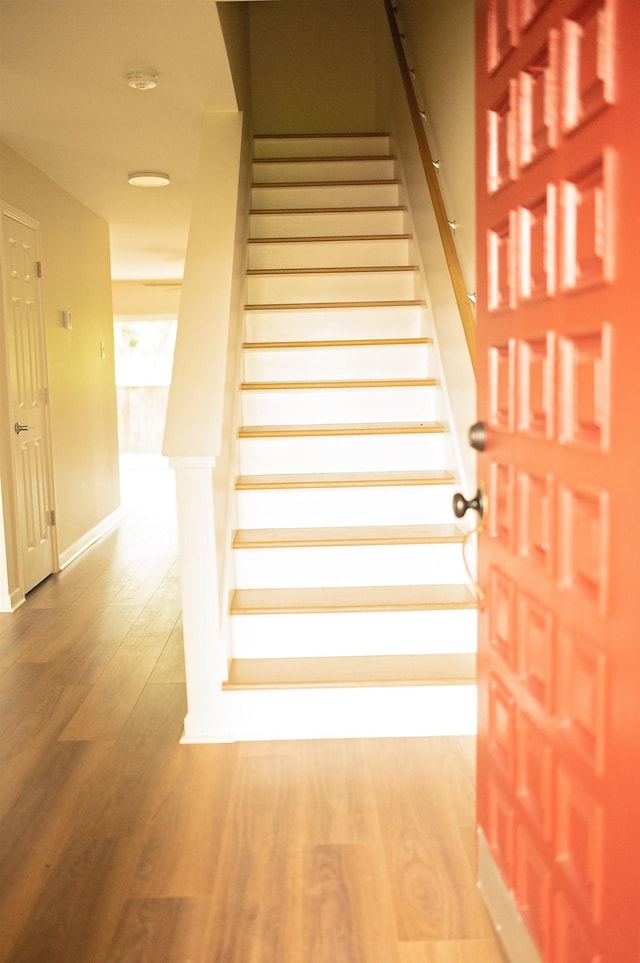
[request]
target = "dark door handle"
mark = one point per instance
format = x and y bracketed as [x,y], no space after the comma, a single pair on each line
[462,504]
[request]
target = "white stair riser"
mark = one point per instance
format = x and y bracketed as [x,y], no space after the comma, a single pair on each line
[355,169]
[327,363]
[343,453]
[310,507]
[338,405]
[321,146]
[333,323]
[439,564]
[331,195]
[319,223]
[292,635]
[270,255]
[344,713]
[329,287]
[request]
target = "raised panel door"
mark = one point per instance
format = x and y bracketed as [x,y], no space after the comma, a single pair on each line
[558,123]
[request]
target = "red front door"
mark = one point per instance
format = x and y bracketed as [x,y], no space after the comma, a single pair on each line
[558,121]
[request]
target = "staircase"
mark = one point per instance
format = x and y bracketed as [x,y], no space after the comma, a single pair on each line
[351,614]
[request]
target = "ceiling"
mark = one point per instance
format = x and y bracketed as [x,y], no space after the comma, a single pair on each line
[66,108]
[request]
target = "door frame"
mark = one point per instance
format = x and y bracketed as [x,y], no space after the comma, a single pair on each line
[12,594]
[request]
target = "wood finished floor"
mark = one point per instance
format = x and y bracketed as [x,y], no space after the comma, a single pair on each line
[119,844]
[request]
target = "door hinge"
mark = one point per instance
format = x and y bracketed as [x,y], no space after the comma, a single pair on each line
[38,269]
[52,518]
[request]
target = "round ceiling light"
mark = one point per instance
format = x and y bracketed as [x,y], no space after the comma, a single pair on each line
[142,79]
[148,179]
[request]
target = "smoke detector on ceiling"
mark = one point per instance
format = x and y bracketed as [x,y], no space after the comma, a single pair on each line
[142,79]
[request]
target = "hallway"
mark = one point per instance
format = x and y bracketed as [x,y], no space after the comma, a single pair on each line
[119,844]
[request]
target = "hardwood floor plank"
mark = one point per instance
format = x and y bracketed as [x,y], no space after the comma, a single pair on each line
[61,631]
[256,907]
[435,896]
[105,711]
[337,800]
[62,924]
[185,832]
[17,631]
[21,686]
[348,917]
[85,661]
[22,753]
[65,589]
[431,876]
[162,611]
[170,664]
[134,767]
[38,829]
[161,931]
[24,714]
[451,951]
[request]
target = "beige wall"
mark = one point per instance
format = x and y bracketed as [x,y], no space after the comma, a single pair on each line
[76,277]
[153,299]
[433,33]
[441,33]
[312,66]
[234,23]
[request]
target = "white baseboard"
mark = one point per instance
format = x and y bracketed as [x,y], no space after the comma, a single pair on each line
[82,544]
[201,731]
[517,944]
[10,601]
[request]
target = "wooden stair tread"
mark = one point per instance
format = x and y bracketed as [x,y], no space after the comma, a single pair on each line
[376,598]
[401,208]
[311,431]
[345,480]
[346,383]
[374,181]
[346,343]
[329,238]
[322,158]
[323,672]
[329,305]
[347,535]
[327,135]
[355,269]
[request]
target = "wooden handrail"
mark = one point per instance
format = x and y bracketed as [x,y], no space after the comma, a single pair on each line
[451,254]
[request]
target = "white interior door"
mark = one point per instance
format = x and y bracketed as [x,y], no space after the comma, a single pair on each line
[29,398]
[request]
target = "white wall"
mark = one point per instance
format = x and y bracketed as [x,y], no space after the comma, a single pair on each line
[82,395]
